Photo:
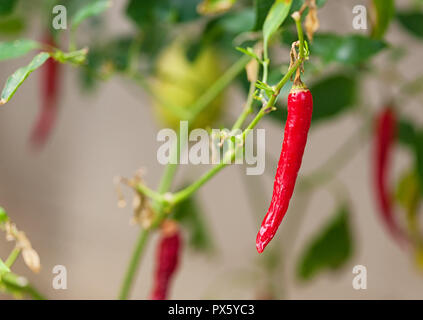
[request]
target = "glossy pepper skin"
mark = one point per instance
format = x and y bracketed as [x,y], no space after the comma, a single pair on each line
[300,109]
[50,83]
[384,142]
[167,263]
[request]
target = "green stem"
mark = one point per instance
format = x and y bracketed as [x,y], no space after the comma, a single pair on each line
[188,191]
[12,257]
[133,265]
[247,109]
[164,186]
[158,197]
[265,63]
[300,32]
[34,293]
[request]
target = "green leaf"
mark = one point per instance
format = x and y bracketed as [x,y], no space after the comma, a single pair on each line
[215,6]
[92,9]
[16,79]
[276,16]
[408,191]
[261,8]
[11,25]
[3,216]
[333,95]
[384,12]
[412,21]
[7,6]
[418,148]
[406,132]
[348,49]
[330,249]
[17,48]
[159,12]
[190,215]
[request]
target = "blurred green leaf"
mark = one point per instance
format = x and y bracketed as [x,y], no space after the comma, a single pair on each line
[261,8]
[105,59]
[418,147]
[408,191]
[190,215]
[333,95]
[384,12]
[221,31]
[7,6]
[275,18]
[17,48]
[330,249]
[412,21]
[16,79]
[236,23]
[215,6]
[11,25]
[406,132]
[346,49]
[91,9]
[149,13]
[3,216]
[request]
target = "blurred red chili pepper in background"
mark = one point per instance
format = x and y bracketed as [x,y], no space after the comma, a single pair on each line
[167,260]
[50,84]
[300,109]
[386,124]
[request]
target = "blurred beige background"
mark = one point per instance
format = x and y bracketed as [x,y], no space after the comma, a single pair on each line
[64,198]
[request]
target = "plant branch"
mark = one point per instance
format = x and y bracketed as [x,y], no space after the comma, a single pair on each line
[133,264]
[247,109]
[188,191]
[12,257]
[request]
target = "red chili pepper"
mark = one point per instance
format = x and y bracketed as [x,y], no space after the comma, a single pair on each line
[300,109]
[167,260]
[49,99]
[385,138]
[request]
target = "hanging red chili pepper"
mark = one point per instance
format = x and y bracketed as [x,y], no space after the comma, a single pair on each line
[167,260]
[50,84]
[384,142]
[300,109]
